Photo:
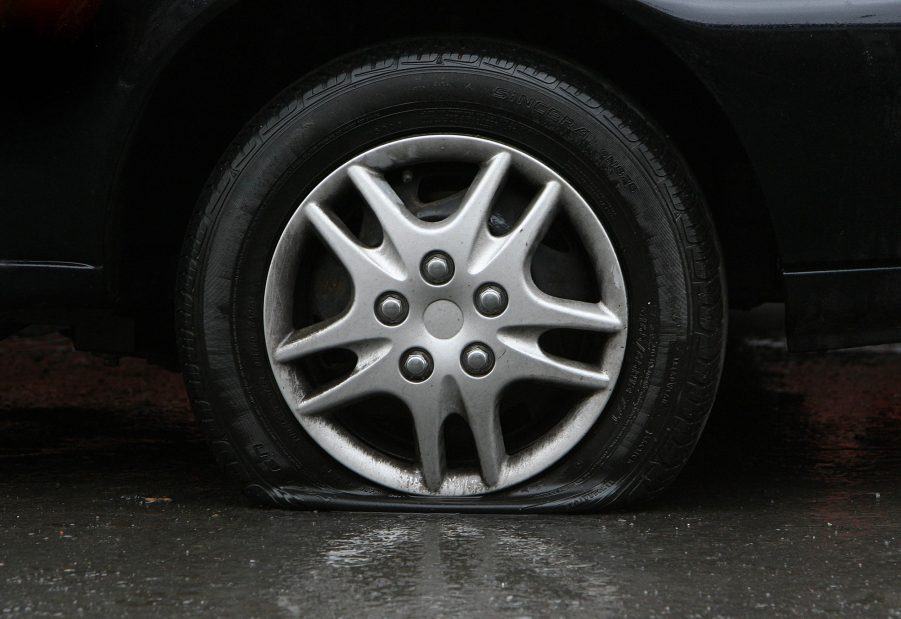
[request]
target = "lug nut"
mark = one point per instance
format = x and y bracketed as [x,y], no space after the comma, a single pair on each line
[437,268]
[391,308]
[491,300]
[416,365]
[477,359]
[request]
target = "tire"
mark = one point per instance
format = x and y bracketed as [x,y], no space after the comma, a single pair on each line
[628,173]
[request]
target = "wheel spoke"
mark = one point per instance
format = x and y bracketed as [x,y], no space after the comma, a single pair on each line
[396,220]
[470,222]
[545,312]
[516,247]
[361,262]
[361,383]
[342,332]
[484,420]
[526,361]
[536,220]
[430,408]
[430,446]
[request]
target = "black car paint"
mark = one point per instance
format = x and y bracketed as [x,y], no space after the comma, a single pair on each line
[813,90]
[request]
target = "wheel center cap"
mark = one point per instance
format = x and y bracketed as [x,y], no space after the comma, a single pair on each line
[443,319]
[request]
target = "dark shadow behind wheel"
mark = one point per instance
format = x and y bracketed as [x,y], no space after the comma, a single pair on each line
[624,168]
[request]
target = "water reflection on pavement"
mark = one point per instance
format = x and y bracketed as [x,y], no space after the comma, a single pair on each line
[790,506]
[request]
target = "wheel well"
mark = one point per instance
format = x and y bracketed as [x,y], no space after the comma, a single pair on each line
[214,84]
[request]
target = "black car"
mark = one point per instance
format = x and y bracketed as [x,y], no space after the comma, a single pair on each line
[450,256]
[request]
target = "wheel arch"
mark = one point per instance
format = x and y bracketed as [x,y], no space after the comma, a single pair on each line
[211,85]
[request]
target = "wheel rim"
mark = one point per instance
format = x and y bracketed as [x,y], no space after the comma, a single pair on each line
[444,315]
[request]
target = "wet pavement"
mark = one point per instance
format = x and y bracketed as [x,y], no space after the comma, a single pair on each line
[110,506]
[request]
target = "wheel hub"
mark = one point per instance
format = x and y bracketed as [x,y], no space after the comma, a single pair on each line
[443,319]
[445,316]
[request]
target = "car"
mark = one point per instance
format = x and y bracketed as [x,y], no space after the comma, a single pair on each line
[450,256]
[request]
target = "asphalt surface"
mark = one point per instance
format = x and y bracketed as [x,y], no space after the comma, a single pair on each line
[110,506]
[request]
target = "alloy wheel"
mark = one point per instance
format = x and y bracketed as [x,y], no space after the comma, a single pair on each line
[444,314]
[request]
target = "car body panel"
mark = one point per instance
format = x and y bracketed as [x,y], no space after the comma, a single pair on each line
[812,89]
